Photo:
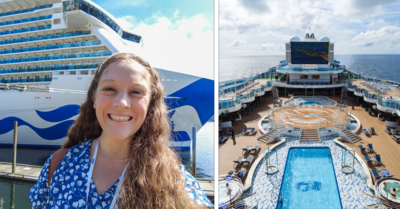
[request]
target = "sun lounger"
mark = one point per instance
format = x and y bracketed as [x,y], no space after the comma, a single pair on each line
[388,131]
[241,174]
[385,173]
[222,139]
[244,131]
[248,161]
[231,172]
[229,132]
[255,149]
[246,149]
[378,160]
[249,131]
[223,132]
[362,148]
[372,130]
[396,138]
[366,132]
[370,148]
[394,132]
[369,161]
[253,131]
[376,175]
[238,162]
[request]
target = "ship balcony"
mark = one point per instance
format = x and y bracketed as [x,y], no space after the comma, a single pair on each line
[359,92]
[16,81]
[53,58]
[371,98]
[50,47]
[24,11]
[45,37]
[310,84]
[248,97]
[41,69]
[23,21]
[389,106]
[286,69]
[228,105]
[24,30]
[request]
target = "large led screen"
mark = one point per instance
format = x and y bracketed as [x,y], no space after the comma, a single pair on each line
[309,52]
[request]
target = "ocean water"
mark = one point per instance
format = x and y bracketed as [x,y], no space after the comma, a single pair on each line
[17,192]
[380,66]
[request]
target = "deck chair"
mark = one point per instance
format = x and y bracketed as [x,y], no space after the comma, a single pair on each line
[255,149]
[246,149]
[231,172]
[240,174]
[376,175]
[378,160]
[394,132]
[385,173]
[388,131]
[238,162]
[253,131]
[372,130]
[248,161]
[223,132]
[249,131]
[369,161]
[229,132]
[396,138]
[244,131]
[370,148]
[366,132]
[222,139]
[362,148]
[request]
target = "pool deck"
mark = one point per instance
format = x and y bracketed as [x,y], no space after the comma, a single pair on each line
[382,142]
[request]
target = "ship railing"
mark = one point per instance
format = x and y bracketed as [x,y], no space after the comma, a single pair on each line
[54,36]
[309,69]
[26,80]
[7,32]
[66,67]
[26,20]
[26,10]
[47,47]
[40,58]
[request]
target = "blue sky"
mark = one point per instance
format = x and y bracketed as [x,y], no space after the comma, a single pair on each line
[261,27]
[177,34]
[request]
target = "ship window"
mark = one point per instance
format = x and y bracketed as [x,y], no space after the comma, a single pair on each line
[303,76]
[56,21]
[72,73]
[84,72]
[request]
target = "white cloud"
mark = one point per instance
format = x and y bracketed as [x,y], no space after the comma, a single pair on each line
[178,44]
[237,42]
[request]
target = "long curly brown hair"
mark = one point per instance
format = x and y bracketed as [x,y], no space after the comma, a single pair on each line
[153,179]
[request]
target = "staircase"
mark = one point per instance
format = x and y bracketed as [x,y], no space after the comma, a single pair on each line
[264,138]
[309,135]
[352,136]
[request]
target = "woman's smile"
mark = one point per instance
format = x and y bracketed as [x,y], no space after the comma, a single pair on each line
[119,118]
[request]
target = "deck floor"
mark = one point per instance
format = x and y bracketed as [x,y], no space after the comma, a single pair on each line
[382,142]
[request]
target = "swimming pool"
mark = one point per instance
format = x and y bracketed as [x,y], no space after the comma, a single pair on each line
[309,179]
[309,104]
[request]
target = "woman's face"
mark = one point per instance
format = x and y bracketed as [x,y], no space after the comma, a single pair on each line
[122,99]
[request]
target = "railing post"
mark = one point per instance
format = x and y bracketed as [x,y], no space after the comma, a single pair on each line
[194,130]
[14,162]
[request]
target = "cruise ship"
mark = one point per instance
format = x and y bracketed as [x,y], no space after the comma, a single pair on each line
[49,53]
[309,133]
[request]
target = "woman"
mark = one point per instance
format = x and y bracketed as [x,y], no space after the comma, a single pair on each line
[123,131]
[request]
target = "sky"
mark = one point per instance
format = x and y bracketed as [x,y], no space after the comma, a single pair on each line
[177,34]
[262,27]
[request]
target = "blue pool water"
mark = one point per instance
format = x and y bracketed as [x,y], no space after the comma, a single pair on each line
[309,104]
[309,180]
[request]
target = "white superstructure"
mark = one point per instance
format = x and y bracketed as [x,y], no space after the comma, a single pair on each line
[53,49]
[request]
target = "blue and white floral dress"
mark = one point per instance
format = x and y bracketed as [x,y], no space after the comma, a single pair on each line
[67,188]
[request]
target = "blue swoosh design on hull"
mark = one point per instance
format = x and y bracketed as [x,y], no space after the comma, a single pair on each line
[59,114]
[57,131]
[199,95]
[180,136]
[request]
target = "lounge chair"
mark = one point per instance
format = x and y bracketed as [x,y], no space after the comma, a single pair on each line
[372,130]
[222,139]
[388,131]
[255,149]
[366,132]
[253,131]
[231,172]
[376,175]
[238,162]
[248,161]
[370,148]
[378,160]
[249,131]
[394,132]
[369,161]
[240,174]
[396,139]
[362,148]
[246,149]
[244,131]
[223,132]
[385,173]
